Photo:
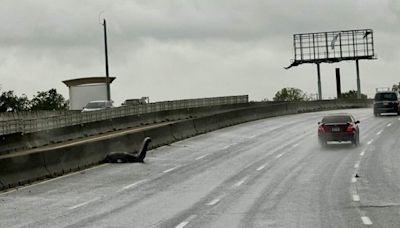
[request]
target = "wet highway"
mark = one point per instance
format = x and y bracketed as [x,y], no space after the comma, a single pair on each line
[266,173]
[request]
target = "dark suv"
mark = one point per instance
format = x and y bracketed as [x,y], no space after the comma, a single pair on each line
[386,102]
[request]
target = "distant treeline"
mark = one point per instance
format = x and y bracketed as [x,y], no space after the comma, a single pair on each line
[45,100]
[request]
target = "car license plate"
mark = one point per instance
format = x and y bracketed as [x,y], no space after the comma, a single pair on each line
[335,129]
[386,103]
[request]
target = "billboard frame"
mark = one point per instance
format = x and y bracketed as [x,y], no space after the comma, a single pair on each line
[333,47]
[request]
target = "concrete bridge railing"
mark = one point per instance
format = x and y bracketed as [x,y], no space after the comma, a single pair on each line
[27,122]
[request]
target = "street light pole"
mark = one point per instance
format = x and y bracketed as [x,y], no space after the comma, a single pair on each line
[106,56]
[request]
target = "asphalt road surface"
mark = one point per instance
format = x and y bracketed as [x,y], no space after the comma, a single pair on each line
[266,173]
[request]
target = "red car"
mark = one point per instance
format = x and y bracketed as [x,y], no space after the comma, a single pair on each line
[340,128]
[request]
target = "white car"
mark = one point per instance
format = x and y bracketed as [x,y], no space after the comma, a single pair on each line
[97,105]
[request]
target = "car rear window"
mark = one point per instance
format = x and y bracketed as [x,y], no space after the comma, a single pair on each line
[385,96]
[336,119]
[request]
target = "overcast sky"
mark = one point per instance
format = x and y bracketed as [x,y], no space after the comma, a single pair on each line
[178,49]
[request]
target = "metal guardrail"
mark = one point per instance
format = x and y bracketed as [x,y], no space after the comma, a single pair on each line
[33,122]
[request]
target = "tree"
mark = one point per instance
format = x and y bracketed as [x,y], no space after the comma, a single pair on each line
[11,102]
[396,87]
[48,100]
[352,94]
[291,94]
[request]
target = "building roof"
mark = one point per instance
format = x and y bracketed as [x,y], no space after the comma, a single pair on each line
[87,80]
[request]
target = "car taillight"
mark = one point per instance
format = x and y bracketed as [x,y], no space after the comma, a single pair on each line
[321,128]
[350,128]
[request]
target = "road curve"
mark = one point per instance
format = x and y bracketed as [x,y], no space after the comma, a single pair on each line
[266,173]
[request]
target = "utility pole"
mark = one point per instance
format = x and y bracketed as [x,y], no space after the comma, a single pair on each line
[106,56]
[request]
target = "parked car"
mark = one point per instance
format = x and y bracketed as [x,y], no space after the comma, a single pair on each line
[97,105]
[386,102]
[340,128]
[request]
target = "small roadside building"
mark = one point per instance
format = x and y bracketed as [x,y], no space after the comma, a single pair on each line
[84,90]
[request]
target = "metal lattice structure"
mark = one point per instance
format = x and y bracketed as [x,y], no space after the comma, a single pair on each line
[330,47]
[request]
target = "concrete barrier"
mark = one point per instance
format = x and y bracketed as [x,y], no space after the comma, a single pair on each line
[18,141]
[22,169]
[183,129]
[205,124]
[1,184]
[53,161]
[160,136]
[126,143]
[66,159]
[34,122]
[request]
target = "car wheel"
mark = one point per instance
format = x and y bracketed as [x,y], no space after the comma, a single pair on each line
[376,114]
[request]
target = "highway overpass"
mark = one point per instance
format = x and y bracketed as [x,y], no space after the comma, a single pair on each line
[265,173]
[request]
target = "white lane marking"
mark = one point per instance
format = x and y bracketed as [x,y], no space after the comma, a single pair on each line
[201,157]
[389,124]
[366,220]
[185,222]
[279,155]
[357,165]
[379,132]
[398,118]
[83,204]
[353,180]
[362,153]
[356,198]
[213,202]
[171,169]
[225,147]
[53,179]
[295,145]
[182,224]
[370,141]
[261,168]
[52,191]
[134,184]
[241,181]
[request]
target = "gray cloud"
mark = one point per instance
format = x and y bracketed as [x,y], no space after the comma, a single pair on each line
[170,49]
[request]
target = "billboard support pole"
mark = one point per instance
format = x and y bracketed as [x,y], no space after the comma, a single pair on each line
[338,86]
[319,82]
[358,81]
[106,59]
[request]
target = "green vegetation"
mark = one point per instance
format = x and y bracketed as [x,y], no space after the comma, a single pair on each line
[49,100]
[291,94]
[352,94]
[396,87]
[46,100]
[9,101]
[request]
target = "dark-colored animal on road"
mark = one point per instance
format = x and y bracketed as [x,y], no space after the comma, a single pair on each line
[124,157]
